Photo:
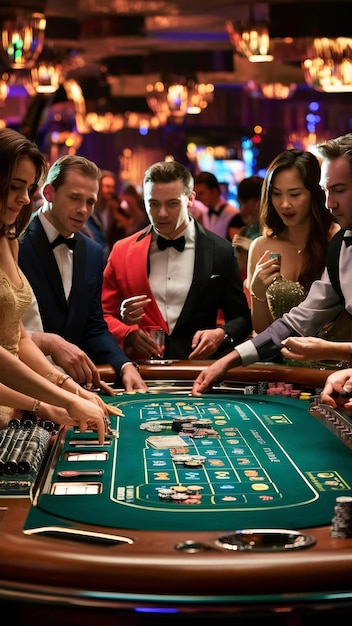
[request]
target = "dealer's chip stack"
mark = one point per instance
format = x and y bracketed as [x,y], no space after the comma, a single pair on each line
[341,523]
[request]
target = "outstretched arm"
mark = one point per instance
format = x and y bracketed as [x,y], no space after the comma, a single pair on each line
[18,376]
[215,373]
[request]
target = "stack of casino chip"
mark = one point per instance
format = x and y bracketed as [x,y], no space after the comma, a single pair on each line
[180,494]
[341,523]
[286,390]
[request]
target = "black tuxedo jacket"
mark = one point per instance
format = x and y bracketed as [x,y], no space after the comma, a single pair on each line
[216,286]
[80,320]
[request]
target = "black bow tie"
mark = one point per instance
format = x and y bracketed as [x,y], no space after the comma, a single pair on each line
[217,211]
[70,242]
[348,240]
[178,244]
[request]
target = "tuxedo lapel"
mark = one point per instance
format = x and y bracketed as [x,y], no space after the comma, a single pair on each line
[46,256]
[78,271]
[203,262]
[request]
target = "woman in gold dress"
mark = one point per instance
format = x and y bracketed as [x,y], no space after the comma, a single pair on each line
[291,254]
[22,168]
[296,227]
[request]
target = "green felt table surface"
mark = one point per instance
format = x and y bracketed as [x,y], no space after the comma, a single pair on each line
[270,465]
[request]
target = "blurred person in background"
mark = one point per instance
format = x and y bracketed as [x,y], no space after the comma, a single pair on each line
[99,222]
[220,212]
[248,196]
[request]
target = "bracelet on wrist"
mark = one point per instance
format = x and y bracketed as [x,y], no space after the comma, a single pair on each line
[35,407]
[57,378]
[62,379]
[256,297]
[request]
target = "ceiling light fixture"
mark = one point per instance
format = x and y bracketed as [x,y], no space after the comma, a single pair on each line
[74,93]
[105,122]
[174,99]
[22,39]
[329,67]
[46,77]
[250,39]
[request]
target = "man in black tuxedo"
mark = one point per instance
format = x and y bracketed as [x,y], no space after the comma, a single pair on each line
[174,274]
[65,270]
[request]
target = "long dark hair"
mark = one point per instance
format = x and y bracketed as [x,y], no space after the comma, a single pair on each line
[13,148]
[321,219]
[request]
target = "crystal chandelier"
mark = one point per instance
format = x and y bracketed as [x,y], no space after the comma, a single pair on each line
[105,122]
[250,39]
[46,77]
[173,100]
[329,67]
[22,39]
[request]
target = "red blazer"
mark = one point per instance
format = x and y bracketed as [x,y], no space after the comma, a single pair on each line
[216,285]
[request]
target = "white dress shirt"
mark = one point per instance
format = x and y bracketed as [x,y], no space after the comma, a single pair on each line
[171,274]
[63,254]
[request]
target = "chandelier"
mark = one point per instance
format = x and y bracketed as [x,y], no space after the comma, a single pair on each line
[22,39]
[270,91]
[46,77]
[105,122]
[176,99]
[329,67]
[250,39]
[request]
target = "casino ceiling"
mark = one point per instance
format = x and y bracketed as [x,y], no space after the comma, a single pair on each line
[131,39]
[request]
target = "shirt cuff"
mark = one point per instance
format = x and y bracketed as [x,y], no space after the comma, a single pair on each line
[247,352]
[128,363]
[124,365]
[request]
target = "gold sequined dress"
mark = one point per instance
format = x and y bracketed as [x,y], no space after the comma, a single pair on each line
[283,295]
[13,303]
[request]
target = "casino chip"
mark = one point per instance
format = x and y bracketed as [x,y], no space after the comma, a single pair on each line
[151,427]
[341,523]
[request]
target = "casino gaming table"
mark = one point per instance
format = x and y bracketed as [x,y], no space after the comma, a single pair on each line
[216,506]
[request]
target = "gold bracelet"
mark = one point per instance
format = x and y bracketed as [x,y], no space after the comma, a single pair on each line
[256,297]
[52,377]
[57,378]
[35,407]
[62,379]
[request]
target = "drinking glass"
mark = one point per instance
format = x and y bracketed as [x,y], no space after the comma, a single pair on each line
[157,334]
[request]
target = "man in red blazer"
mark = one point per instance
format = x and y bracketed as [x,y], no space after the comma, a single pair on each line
[149,282]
